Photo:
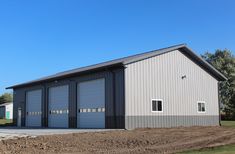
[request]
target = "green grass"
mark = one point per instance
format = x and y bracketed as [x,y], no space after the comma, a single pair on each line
[228,124]
[5,122]
[228,149]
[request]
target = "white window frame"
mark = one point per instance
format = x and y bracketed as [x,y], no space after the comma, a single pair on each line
[204,104]
[157,104]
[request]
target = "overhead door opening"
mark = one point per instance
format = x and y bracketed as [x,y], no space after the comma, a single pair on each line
[34,108]
[91,104]
[58,107]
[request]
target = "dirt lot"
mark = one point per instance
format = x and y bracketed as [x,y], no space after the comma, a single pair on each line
[136,141]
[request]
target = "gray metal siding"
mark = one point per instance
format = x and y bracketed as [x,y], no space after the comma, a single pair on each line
[111,103]
[133,122]
[160,77]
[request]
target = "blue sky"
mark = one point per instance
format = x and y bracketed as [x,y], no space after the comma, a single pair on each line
[42,37]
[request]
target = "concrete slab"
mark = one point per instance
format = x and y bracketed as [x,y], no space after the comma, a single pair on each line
[11,133]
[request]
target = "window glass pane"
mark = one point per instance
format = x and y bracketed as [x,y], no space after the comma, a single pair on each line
[203,107]
[154,105]
[199,107]
[159,105]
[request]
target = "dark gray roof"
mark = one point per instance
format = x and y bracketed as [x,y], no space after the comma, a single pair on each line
[128,60]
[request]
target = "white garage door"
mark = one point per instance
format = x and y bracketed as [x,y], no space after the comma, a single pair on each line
[34,108]
[58,107]
[91,104]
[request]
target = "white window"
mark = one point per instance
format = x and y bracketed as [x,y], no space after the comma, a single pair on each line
[157,105]
[201,106]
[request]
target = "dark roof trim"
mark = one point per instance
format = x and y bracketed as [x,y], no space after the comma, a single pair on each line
[204,64]
[128,60]
[59,76]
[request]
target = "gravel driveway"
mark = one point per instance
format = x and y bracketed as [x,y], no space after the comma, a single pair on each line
[168,140]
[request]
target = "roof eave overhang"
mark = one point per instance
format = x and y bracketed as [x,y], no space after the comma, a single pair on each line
[103,68]
[152,54]
[182,47]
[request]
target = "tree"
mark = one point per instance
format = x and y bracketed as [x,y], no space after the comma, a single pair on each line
[224,61]
[6,98]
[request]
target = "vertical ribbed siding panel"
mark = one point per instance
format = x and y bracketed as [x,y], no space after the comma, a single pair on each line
[160,77]
[119,98]
[72,104]
[18,102]
[19,97]
[44,106]
[109,101]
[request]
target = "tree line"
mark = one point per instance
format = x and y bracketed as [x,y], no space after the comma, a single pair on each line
[6,98]
[224,61]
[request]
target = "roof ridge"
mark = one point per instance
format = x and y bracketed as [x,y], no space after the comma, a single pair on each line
[130,56]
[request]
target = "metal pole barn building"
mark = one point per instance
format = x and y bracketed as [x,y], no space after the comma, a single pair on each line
[168,87]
